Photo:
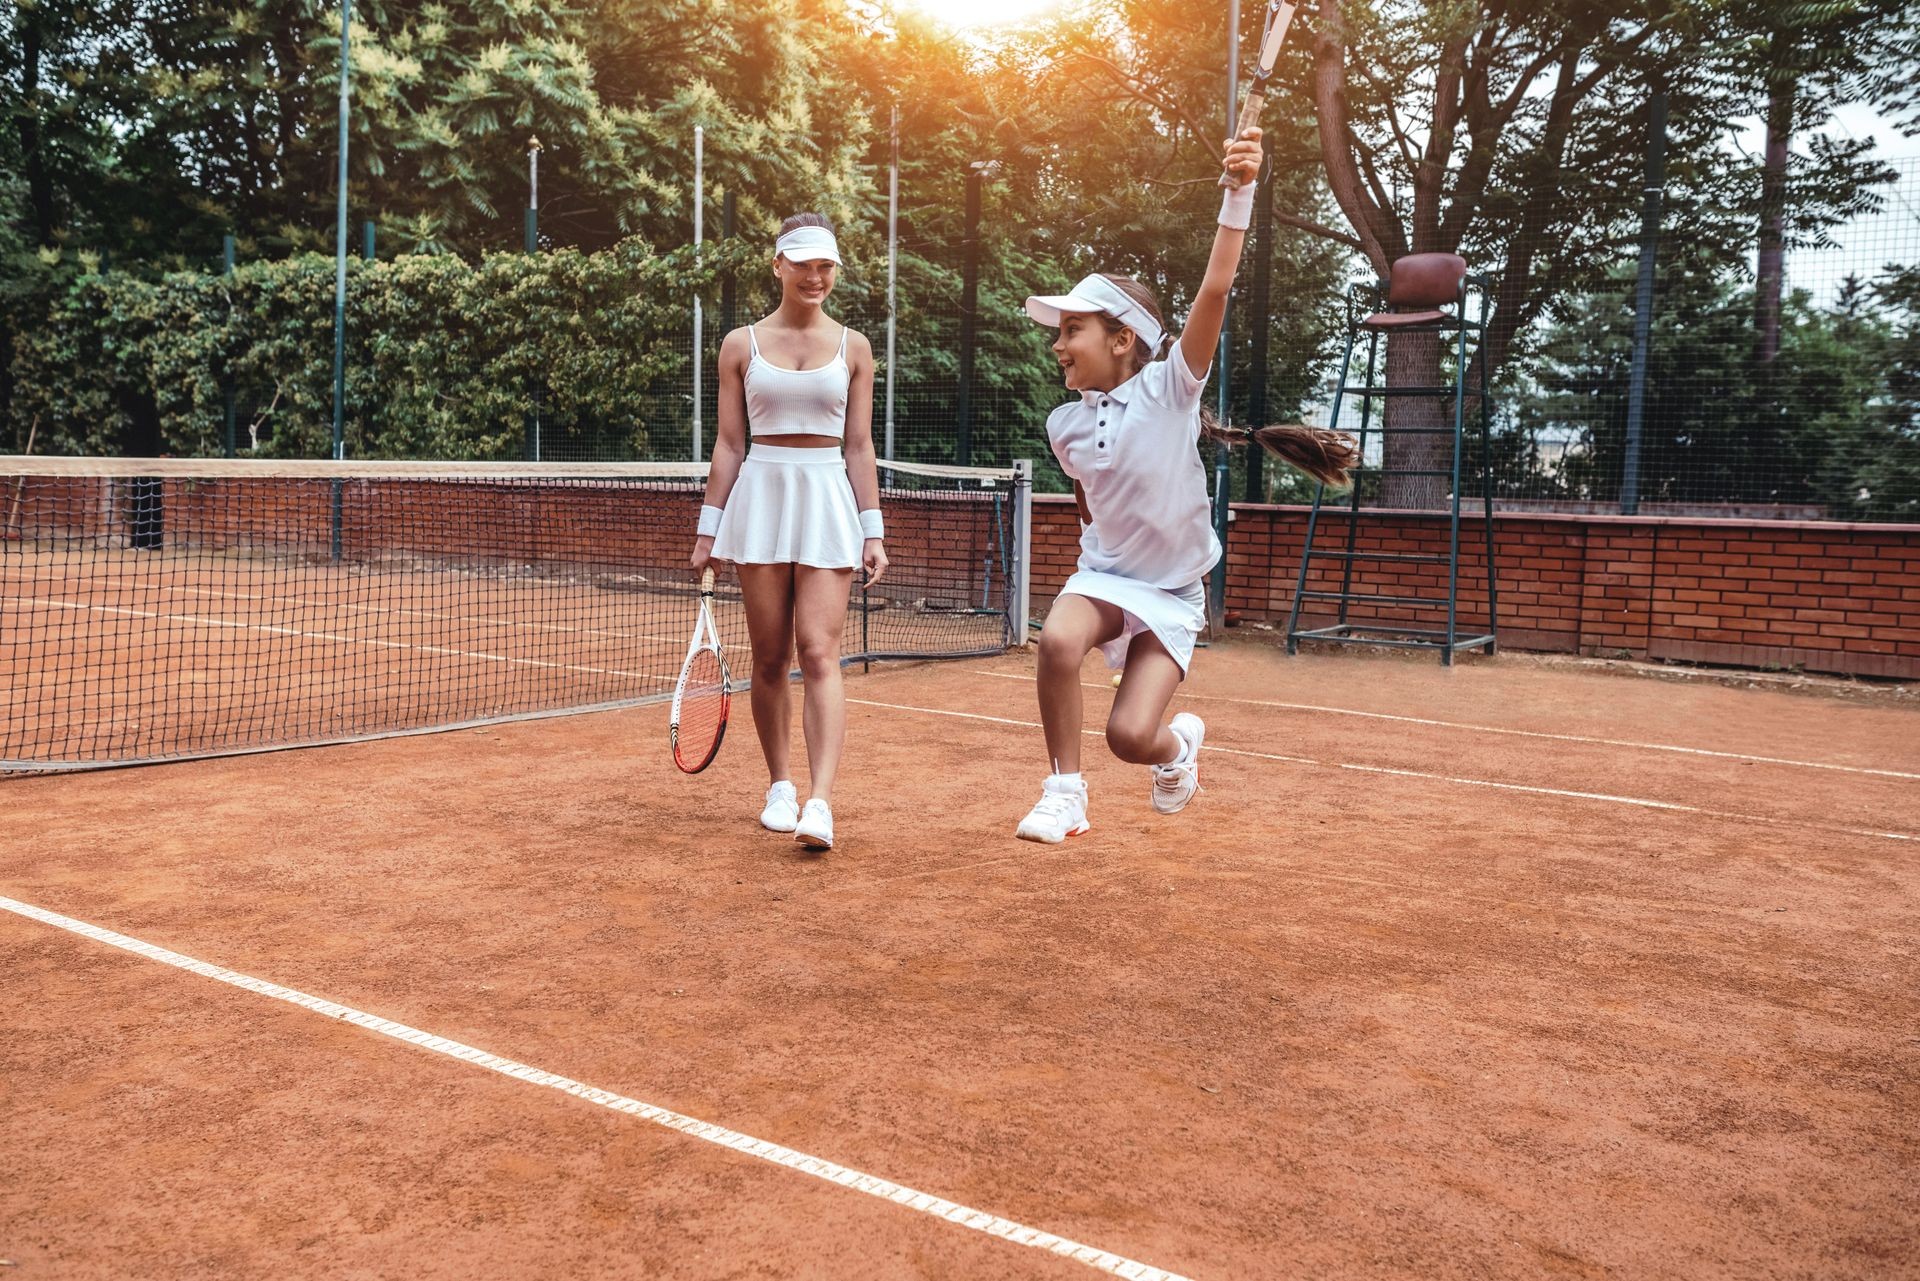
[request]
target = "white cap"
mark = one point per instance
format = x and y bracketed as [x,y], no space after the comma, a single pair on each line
[1098,294]
[808,244]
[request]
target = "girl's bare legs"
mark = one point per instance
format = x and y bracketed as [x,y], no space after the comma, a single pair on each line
[1137,726]
[1075,625]
[820,615]
[768,591]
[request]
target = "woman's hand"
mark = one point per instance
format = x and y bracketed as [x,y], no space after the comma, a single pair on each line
[875,557]
[702,553]
[1242,157]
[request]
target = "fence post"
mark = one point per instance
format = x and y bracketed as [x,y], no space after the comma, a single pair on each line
[729,286]
[969,300]
[699,320]
[229,412]
[1643,300]
[1259,322]
[1222,476]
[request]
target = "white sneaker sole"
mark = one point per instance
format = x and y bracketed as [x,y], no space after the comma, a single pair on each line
[787,825]
[1198,740]
[813,840]
[1026,833]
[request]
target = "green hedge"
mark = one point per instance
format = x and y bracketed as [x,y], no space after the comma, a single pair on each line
[444,357]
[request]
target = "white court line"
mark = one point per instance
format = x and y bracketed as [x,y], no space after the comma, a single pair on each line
[1499,729]
[269,630]
[871,1185]
[1606,798]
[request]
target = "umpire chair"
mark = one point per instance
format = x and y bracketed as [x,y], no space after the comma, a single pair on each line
[1398,603]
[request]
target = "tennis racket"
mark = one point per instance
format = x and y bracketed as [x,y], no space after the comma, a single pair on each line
[1279,18]
[701,697]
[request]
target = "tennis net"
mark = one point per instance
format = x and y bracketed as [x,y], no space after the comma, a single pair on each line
[161,609]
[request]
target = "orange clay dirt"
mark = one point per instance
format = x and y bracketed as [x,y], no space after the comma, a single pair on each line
[1331,1021]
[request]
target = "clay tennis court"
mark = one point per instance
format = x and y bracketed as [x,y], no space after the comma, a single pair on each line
[1510,971]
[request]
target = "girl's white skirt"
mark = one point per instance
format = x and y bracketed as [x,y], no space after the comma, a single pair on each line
[1175,618]
[791,507]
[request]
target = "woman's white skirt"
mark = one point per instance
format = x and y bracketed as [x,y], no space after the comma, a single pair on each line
[791,507]
[1175,618]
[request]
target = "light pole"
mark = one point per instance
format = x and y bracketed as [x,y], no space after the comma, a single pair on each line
[340,255]
[533,193]
[893,261]
[532,426]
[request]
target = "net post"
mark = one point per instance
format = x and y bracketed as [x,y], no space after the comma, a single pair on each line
[1020,581]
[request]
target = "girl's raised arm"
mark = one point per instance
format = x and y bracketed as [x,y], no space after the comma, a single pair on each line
[1202,334]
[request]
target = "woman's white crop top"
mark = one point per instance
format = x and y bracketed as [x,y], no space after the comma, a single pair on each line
[797,402]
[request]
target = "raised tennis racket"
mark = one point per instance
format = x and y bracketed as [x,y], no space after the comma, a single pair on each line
[1279,18]
[702,696]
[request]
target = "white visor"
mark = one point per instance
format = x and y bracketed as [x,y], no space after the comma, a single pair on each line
[808,244]
[1097,294]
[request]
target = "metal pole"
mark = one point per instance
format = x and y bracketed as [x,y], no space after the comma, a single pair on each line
[229,412]
[969,297]
[727,282]
[1643,300]
[340,260]
[699,326]
[533,194]
[1222,495]
[531,246]
[368,244]
[893,262]
[1256,485]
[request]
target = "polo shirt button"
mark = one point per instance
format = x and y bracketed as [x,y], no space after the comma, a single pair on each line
[1103,444]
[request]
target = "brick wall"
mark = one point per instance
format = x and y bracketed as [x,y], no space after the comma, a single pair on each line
[1829,597]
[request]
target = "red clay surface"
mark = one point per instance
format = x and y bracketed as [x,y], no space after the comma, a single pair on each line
[1329,1022]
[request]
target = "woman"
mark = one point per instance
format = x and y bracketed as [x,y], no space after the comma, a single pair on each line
[798,512]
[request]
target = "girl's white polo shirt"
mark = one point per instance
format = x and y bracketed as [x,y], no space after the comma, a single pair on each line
[1133,451]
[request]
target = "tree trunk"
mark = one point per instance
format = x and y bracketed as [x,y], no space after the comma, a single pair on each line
[1770,269]
[1413,360]
[39,184]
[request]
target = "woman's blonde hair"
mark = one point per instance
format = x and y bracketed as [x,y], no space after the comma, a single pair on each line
[800,220]
[1327,456]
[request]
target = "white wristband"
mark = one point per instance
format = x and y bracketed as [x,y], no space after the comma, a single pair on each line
[871,526]
[1236,207]
[709,522]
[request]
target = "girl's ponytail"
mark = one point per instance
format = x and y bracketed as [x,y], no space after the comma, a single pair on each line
[1327,456]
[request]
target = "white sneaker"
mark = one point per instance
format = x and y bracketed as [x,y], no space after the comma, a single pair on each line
[783,808]
[1175,782]
[815,828]
[1060,813]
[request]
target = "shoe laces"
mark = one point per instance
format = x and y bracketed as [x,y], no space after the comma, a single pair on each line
[1170,776]
[1056,804]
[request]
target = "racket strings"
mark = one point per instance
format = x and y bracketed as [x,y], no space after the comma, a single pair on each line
[703,709]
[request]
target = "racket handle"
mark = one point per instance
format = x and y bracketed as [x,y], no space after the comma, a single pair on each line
[706,582]
[1249,117]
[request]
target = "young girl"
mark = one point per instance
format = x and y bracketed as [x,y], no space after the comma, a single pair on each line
[1146,540]
[795,513]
